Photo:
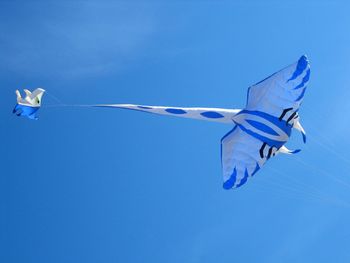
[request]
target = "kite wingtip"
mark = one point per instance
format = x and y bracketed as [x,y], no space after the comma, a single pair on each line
[304,137]
[227,185]
[303,58]
[295,151]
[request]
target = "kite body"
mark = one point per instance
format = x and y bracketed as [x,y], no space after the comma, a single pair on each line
[260,130]
[265,125]
[29,105]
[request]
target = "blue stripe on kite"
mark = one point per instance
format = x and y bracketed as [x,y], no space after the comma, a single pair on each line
[282,124]
[145,107]
[244,179]
[248,96]
[301,66]
[304,137]
[305,80]
[227,134]
[262,127]
[231,181]
[261,138]
[301,95]
[266,78]
[175,111]
[212,114]
[257,168]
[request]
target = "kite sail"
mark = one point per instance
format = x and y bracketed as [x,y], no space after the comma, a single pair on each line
[28,106]
[264,126]
[260,130]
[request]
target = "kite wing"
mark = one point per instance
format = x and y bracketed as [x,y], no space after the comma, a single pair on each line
[242,156]
[271,104]
[36,96]
[281,94]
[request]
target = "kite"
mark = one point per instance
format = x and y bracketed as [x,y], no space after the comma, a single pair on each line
[28,106]
[260,130]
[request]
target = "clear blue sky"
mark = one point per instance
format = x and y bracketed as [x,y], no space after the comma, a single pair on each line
[105,185]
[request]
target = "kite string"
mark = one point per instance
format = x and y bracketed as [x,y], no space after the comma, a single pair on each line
[297,190]
[69,105]
[55,99]
[60,103]
[282,190]
[328,145]
[330,148]
[308,189]
[321,171]
[324,141]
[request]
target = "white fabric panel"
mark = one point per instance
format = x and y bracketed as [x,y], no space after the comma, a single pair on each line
[208,114]
[281,90]
[240,151]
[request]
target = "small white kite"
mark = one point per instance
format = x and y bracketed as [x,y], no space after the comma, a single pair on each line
[30,104]
[260,130]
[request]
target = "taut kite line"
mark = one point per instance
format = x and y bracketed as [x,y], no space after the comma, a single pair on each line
[260,130]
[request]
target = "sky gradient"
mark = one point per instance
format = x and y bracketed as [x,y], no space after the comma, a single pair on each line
[107,185]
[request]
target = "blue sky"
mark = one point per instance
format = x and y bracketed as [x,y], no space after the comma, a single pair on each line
[104,185]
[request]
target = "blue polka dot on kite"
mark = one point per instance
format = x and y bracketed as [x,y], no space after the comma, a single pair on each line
[212,114]
[175,111]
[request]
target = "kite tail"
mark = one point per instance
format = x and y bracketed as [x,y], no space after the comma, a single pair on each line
[208,114]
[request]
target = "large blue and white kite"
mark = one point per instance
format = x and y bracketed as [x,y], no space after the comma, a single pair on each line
[260,130]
